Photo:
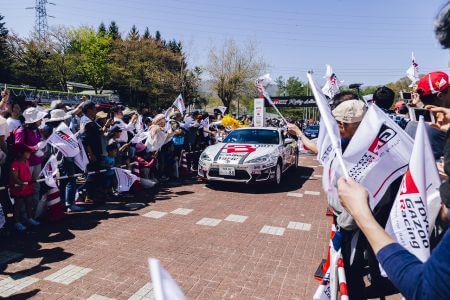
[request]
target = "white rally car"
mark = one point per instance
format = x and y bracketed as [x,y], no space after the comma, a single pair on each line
[249,155]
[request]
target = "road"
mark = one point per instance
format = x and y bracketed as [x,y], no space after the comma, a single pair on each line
[217,241]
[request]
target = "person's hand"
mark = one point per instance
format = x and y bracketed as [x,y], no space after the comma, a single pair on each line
[440,168]
[134,118]
[293,129]
[92,158]
[109,122]
[353,197]
[441,116]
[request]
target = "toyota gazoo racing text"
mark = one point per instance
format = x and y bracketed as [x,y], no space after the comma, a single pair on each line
[249,155]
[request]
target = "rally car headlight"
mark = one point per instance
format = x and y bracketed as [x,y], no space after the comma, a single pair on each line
[205,157]
[262,159]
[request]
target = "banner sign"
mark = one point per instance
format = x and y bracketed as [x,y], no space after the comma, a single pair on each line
[294,101]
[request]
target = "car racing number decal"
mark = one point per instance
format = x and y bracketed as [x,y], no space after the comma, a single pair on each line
[239,149]
[234,153]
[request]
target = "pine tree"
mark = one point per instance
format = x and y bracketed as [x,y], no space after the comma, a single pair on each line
[4,54]
[158,35]
[102,29]
[134,33]
[146,33]
[113,31]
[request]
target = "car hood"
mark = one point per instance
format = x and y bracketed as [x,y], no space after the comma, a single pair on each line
[230,153]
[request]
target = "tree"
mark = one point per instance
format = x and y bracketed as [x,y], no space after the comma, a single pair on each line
[113,31]
[91,53]
[102,29]
[294,87]
[281,86]
[4,53]
[60,58]
[146,33]
[233,70]
[158,35]
[134,33]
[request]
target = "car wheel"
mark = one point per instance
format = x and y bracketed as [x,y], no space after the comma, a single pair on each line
[278,174]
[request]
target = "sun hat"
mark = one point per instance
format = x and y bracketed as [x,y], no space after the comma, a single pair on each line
[158,118]
[33,114]
[128,111]
[101,115]
[58,115]
[350,111]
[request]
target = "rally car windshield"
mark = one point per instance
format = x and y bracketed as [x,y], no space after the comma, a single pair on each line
[253,136]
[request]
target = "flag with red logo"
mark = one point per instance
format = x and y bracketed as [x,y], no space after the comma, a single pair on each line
[125,179]
[378,153]
[64,140]
[415,209]
[332,84]
[49,171]
[179,104]
[261,83]
[413,71]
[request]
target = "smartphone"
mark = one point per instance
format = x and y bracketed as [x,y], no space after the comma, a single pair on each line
[405,96]
[415,113]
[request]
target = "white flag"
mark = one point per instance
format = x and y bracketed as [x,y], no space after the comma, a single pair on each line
[413,71]
[223,109]
[205,124]
[139,124]
[81,159]
[332,84]
[329,142]
[49,171]
[125,179]
[261,82]
[323,292]
[179,103]
[139,137]
[378,153]
[164,286]
[410,221]
[64,140]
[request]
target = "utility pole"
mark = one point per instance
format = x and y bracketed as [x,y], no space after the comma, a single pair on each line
[41,24]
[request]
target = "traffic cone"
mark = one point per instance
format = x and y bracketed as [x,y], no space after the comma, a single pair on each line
[55,207]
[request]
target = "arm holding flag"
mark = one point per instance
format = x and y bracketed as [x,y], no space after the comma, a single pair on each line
[414,279]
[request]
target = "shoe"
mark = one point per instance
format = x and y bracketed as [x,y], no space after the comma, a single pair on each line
[33,222]
[74,208]
[20,227]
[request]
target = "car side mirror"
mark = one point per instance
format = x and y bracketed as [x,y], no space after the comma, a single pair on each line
[288,141]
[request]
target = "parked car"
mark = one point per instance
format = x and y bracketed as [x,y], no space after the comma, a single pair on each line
[311,131]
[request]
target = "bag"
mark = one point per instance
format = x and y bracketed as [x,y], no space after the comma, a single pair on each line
[178,140]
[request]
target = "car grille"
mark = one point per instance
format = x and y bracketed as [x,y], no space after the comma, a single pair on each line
[239,174]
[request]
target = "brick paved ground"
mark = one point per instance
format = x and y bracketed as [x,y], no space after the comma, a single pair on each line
[218,241]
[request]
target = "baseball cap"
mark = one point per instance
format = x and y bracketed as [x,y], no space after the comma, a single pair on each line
[350,111]
[432,83]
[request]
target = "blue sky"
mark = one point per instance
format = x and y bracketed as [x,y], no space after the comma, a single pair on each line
[364,41]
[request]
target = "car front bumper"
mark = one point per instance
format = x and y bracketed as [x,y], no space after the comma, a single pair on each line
[245,173]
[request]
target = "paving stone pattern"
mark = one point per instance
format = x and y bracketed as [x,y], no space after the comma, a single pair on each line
[217,241]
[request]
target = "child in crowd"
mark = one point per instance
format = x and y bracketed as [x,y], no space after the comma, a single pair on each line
[21,189]
[109,162]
